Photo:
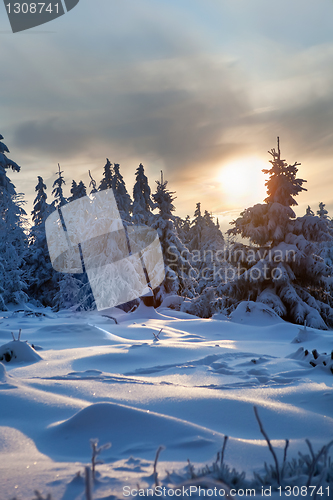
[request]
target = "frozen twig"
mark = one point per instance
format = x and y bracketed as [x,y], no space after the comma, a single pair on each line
[18,337]
[157,335]
[88,483]
[271,449]
[95,452]
[284,458]
[223,449]
[161,448]
[39,496]
[322,453]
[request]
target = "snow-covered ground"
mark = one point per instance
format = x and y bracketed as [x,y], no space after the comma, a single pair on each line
[88,377]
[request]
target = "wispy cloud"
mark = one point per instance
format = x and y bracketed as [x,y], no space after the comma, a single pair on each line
[186,91]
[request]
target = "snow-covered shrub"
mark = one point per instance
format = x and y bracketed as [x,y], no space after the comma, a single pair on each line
[202,306]
[173,302]
[17,351]
[255,313]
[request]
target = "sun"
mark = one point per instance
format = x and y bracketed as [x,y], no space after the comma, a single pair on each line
[243,182]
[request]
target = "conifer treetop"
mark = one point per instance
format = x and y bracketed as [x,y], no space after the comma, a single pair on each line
[121,195]
[309,211]
[40,205]
[142,203]
[57,189]
[282,184]
[6,163]
[106,182]
[322,212]
[164,198]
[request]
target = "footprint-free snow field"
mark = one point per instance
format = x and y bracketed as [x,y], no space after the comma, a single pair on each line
[82,376]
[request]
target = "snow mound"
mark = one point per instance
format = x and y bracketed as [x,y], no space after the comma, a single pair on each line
[3,374]
[144,312]
[173,302]
[255,313]
[17,352]
[314,358]
[304,335]
[131,431]
[220,317]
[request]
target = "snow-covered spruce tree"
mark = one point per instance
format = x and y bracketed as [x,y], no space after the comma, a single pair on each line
[205,240]
[106,182]
[43,279]
[81,190]
[71,293]
[183,229]
[176,256]
[13,240]
[211,236]
[142,202]
[322,212]
[282,267]
[209,258]
[73,192]
[196,229]
[73,290]
[121,195]
[78,191]
[309,211]
[58,192]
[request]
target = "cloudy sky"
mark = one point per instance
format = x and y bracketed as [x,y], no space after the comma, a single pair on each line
[197,88]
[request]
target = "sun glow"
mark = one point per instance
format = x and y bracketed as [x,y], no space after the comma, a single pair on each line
[243,182]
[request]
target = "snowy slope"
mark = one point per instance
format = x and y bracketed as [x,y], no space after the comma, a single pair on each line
[88,377]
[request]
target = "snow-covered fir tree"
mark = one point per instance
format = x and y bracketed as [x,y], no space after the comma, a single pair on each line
[322,212]
[309,211]
[211,236]
[176,256]
[72,293]
[71,290]
[121,195]
[81,190]
[58,191]
[142,202]
[106,182]
[197,226]
[77,191]
[43,279]
[282,268]
[204,239]
[13,240]
[209,258]
[183,227]
[73,191]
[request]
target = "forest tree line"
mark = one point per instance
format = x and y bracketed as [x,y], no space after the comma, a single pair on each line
[280,260]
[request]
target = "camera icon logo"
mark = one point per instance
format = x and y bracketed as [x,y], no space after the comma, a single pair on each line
[88,235]
[24,14]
